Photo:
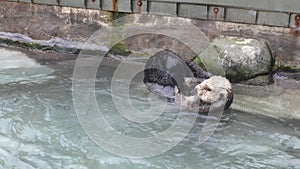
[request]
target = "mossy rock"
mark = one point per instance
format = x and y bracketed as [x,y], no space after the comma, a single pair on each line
[119,49]
[209,61]
[199,62]
[285,68]
[239,58]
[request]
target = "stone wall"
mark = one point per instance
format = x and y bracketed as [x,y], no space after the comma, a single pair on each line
[262,12]
[48,22]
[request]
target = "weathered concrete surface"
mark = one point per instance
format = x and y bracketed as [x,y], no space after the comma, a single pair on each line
[148,41]
[47,22]
[176,34]
[269,5]
[243,58]
[280,100]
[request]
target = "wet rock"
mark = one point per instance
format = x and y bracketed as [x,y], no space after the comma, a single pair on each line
[287,80]
[259,81]
[287,56]
[243,58]
[274,100]
[287,75]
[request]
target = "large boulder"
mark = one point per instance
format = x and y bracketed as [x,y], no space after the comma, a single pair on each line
[242,58]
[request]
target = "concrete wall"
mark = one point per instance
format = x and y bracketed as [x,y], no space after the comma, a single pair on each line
[46,22]
[262,12]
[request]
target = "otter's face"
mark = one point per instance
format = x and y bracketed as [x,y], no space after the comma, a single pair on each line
[213,89]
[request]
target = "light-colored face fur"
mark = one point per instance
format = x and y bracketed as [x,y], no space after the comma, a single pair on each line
[213,89]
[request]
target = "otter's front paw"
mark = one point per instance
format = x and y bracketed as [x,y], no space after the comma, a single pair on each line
[176,90]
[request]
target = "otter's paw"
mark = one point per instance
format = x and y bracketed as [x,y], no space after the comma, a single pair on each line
[176,91]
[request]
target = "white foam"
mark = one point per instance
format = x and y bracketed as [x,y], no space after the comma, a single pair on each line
[16,66]
[15,59]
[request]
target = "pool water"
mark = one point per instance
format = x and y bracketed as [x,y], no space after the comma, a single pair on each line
[40,129]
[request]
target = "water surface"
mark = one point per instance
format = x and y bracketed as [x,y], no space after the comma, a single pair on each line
[39,129]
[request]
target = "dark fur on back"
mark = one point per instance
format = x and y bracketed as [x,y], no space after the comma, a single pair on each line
[168,69]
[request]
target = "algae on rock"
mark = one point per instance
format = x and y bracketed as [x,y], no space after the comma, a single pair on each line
[241,58]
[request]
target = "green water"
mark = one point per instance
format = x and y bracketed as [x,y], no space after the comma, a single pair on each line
[39,129]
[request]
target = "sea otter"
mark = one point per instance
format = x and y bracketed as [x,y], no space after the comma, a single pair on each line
[185,83]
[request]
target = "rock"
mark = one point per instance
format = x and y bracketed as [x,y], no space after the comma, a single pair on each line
[259,81]
[210,61]
[287,80]
[242,58]
[288,75]
[274,100]
[285,66]
[287,56]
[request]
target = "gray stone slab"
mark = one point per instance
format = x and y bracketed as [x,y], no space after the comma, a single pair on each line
[192,11]
[107,5]
[135,7]
[46,2]
[269,5]
[73,3]
[124,6]
[162,8]
[219,16]
[273,18]
[24,0]
[240,15]
[93,4]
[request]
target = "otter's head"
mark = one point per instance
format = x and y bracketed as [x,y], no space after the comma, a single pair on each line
[215,89]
